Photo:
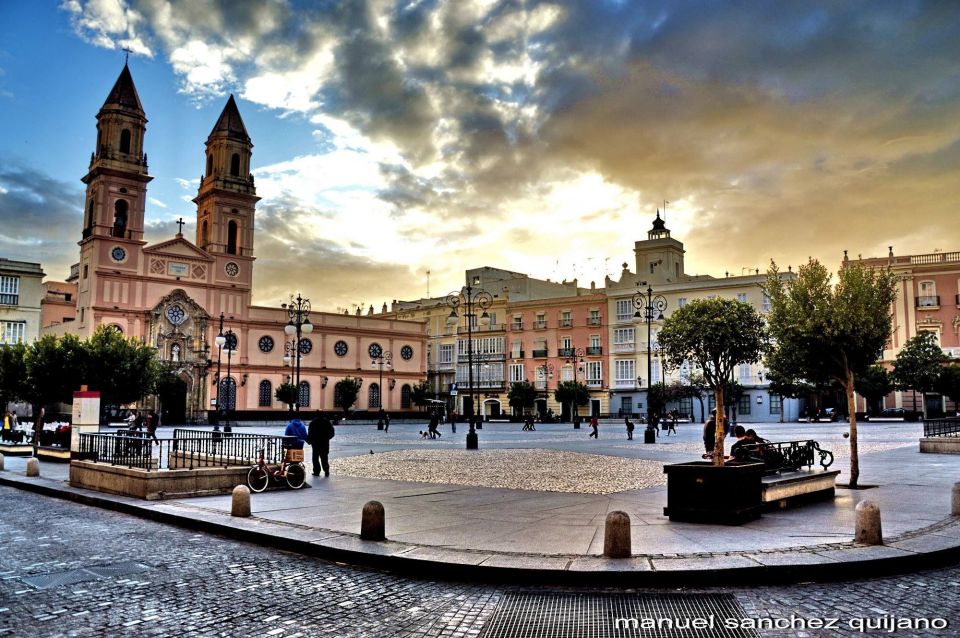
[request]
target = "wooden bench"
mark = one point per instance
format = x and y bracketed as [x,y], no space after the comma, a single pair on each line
[789,476]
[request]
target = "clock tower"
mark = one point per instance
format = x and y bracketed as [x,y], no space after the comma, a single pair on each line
[226,202]
[112,238]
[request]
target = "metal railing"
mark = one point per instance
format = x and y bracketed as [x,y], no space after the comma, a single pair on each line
[785,455]
[594,351]
[928,301]
[191,449]
[539,354]
[566,323]
[941,427]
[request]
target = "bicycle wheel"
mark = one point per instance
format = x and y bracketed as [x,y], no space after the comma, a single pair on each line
[257,479]
[296,475]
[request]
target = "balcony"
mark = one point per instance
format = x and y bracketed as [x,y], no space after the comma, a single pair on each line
[516,325]
[594,351]
[593,321]
[931,302]
[9,300]
[540,354]
[623,347]
[566,323]
[953,353]
[445,365]
[625,383]
[540,325]
[625,318]
[565,352]
[594,383]
[517,354]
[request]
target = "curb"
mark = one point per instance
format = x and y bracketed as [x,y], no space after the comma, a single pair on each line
[511,568]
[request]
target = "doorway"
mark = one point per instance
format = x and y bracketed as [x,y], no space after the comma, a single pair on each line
[172,393]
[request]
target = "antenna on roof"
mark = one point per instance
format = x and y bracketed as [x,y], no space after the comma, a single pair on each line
[428,284]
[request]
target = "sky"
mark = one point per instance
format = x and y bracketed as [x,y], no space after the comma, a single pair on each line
[396,138]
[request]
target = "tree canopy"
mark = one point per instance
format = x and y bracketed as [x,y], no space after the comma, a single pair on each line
[919,363]
[420,393]
[348,390]
[873,384]
[522,395]
[123,369]
[571,392]
[716,335]
[824,330]
[949,382]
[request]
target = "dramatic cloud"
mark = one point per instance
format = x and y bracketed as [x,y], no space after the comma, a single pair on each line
[541,136]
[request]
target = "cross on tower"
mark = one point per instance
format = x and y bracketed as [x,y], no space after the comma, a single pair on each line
[128,51]
[180,223]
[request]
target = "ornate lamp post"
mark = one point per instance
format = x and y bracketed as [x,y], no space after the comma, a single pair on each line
[383,359]
[470,302]
[299,324]
[652,307]
[545,371]
[576,358]
[220,340]
[230,345]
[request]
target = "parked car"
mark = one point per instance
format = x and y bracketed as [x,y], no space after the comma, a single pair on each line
[896,413]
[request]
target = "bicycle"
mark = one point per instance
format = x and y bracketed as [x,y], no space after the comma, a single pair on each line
[290,469]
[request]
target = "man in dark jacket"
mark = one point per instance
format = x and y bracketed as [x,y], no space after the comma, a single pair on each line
[318,436]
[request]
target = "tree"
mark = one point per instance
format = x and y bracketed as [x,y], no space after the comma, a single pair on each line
[732,391]
[420,393]
[873,384]
[348,389]
[571,392]
[55,368]
[522,395]
[717,335]
[949,382]
[697,387]
[657,398]
[286,393]
[836,331]
[918,365]
[123,369]
[13,373]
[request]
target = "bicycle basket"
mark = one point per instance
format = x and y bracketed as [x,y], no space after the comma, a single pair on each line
[294,456]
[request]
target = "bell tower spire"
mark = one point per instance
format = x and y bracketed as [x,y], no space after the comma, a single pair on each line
[227,197]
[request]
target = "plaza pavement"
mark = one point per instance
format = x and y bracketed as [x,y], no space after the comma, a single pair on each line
[557,536]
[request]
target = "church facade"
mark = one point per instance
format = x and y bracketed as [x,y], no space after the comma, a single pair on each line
[178,295]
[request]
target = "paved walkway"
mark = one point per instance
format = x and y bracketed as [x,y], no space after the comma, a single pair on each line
[560,534]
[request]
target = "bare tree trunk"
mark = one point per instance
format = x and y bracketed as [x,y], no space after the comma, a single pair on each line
[720,432]
[852,409]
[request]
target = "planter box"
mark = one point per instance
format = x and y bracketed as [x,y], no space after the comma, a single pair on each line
[699,492]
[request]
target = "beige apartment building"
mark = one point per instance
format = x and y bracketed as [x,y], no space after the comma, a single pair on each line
[20,296]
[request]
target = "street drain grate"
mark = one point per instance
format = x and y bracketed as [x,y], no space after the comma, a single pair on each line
[571,615]
[71,576]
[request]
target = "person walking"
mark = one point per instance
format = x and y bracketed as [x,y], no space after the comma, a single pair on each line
[319,435]
[432,428]
[595,424]
[672,423]
[629,425]
[153,422]
[386,423]
[710,434]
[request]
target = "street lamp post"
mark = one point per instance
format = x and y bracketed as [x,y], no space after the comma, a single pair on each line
[652,307]
[220,340]
[383,359]
[470,301]
[230,345]
[576,359]
[298,311]
[546,371]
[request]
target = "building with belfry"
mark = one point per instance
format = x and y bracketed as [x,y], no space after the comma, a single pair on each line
[181,294]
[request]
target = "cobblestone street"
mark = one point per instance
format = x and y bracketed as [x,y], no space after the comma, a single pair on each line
[201,585]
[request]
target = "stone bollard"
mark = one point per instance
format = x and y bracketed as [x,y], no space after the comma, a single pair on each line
[240,505]
[1,462]
[33,467]
[373,523]
[954,508]
[868,524]
[616,536]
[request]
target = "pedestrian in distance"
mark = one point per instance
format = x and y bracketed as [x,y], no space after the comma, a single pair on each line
[432,428]
[710,434]
[296,434]
[595,424]
[386,423]
[672,423]
[629,425]
[319,435]
[153,422]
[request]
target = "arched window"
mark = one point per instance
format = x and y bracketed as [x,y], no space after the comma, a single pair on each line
[120,209]
[228,393]
[405,396]
[175,352]
[89,223]
[235,165]
[125,141]
[204,232]
[338,395]
[209,164]
[304,394]
[266,394]
[232,232]
[373,396]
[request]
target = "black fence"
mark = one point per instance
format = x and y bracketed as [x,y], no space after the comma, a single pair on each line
[941,427]
[188,449]
[785,456]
